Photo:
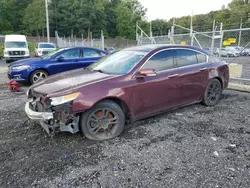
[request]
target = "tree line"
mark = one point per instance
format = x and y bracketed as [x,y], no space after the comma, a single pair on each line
[117,18]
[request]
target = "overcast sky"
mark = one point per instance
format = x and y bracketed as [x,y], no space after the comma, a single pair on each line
[166,9]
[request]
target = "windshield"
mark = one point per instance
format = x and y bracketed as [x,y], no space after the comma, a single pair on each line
[119,63]
[49,55]
[46,46]
[15,45]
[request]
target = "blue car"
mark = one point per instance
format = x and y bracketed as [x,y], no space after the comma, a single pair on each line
[34,69]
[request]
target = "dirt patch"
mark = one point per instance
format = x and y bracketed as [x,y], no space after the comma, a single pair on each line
[194,146]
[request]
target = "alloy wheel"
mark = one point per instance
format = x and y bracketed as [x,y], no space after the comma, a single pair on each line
[38,76]
[214,92]
[103,122]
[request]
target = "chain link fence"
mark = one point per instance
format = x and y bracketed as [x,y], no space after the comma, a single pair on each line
[233,46]
[63,42]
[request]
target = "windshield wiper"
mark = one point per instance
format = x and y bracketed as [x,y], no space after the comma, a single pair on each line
[98,70]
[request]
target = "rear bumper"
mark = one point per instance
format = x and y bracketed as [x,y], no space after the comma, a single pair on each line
[39,116]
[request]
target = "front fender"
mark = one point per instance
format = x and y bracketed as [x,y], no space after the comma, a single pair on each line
[87,101]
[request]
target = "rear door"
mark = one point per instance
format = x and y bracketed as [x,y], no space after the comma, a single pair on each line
[193,74]
[90,56]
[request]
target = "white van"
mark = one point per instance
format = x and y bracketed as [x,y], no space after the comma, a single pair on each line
[15,48]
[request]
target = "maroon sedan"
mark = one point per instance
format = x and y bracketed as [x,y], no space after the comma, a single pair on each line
[126,86]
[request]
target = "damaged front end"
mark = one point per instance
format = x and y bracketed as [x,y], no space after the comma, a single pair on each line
[54,114]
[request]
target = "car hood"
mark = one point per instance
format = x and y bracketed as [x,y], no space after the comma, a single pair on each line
[28,61]
[68,81]
[16,49]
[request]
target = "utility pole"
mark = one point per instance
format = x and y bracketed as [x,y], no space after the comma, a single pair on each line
[47,20]
[240,33]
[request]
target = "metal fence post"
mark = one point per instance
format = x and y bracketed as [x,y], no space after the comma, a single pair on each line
[102,40]
[212,45]
[92,42]
[240,33]
[221,42]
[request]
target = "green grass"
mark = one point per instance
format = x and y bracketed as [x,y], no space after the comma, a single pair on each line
[32,46]
[1,49]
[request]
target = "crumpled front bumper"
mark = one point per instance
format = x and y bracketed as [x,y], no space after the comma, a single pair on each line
[41,116]
[46,117]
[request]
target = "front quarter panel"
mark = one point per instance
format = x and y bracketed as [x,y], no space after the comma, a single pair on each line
[94,93]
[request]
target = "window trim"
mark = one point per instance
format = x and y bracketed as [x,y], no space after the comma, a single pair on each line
[95,50]
[175,68]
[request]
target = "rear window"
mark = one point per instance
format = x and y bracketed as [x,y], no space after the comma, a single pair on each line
[185,57]
[46,46]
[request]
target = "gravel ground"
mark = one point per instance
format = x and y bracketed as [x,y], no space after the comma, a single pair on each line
[195,146]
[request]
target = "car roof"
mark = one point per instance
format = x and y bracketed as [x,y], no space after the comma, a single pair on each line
[83,47]
[150,47]
[13,38]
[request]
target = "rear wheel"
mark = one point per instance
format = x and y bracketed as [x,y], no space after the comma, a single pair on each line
[104,121]
[212,93]
[38,75]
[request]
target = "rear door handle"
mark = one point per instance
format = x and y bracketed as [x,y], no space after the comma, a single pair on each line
[173,75]
[203,69]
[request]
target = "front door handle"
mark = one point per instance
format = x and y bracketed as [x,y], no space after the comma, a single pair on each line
[173,75]
[203,69]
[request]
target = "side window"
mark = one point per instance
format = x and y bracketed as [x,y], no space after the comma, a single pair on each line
[91,53]
[201,58]
[161,61]
[71,54]
[185,57]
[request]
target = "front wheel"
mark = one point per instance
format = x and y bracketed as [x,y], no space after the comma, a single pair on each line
[38,75]
[104,121]
[212,93]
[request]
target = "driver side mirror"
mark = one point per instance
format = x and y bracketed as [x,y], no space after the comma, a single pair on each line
[145,73]
[60,58]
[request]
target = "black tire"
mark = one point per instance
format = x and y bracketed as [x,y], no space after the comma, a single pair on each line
[101,128]
[35,73]
[8,61]
[212,94]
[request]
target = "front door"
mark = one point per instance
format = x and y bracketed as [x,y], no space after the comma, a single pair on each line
[69,61]
[153,94]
